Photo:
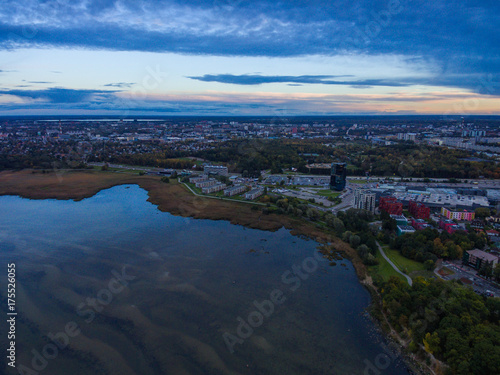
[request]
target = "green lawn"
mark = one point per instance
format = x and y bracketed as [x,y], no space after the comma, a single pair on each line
[405,265]
[361,182]
[194,188]
[328,193]
[384,269]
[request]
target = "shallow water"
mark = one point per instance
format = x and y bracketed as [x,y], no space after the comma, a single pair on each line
[186,286]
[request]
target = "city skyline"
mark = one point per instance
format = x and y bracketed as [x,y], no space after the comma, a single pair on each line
[235,57]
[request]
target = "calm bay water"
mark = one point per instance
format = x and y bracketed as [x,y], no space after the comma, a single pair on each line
[153,293]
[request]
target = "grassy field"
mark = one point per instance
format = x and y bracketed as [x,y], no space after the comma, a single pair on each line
[328,193]
[361,182]
[194,188]
[384,269]
[405,265]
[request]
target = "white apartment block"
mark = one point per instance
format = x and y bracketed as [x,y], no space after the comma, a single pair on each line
[206,183]
[252,194]
[213,188]
[234,190]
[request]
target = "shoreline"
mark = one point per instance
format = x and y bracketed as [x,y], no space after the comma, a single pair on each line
[176,199]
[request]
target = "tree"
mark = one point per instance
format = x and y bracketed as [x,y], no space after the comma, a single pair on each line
[429,264]
[438,248]
[363,251]
[486,269]
[482,212]
[338,225]
[354,240]
[496,272]
[431,342]
[346,236]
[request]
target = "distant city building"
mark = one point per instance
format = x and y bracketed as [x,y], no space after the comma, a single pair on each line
[419,210]
[234,190]
[391,205]
[215,169]
[460,215]
[407,136]
[338,176]
[255,193]
[473,133]
[364,200]
[477,258]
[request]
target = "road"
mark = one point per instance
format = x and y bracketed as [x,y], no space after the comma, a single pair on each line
[306,194]
[347,201]
[408,278]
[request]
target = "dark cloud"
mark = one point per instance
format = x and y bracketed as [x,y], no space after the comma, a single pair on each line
[247,79]
[58,95]
[459,36]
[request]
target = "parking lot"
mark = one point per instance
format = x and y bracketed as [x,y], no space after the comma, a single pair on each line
[480,285]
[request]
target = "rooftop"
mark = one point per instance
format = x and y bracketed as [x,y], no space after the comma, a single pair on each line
[406,228]
[483,255]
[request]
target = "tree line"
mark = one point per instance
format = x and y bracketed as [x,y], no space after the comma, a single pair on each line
[446,320]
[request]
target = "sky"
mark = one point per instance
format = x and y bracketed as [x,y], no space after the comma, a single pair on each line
[131,58]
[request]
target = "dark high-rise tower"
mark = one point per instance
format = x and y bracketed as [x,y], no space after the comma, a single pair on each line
[338,176]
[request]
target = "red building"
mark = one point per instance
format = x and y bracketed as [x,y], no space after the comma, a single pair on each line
[448,226]
[391,205]
[419,224]
[419,210]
